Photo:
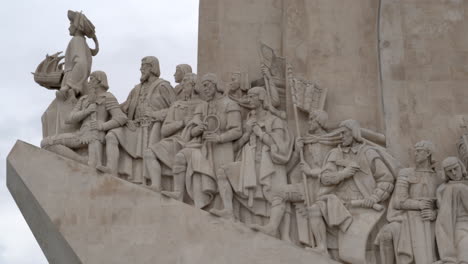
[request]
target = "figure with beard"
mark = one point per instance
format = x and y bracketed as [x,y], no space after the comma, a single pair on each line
[161,155]
[266,149]
[97,113]
[451,226]
[354,181]
[213,129]
[410,234]
[179,75]
[78,56]
[146,108]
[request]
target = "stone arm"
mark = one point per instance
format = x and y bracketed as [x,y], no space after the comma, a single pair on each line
[238,144]
[330,174]
[267,139]
[170,125]
[197,119]
[384,181]
[78,113]
[118,119]
[161,101]
[233,127]
[402,200]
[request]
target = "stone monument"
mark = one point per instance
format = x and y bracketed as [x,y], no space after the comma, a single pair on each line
[291,144]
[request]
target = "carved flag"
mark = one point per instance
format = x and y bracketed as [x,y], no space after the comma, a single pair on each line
[308,96]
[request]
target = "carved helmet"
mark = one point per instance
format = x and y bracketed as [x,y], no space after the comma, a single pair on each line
[102,78]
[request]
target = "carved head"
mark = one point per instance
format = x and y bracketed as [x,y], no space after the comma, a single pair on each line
[317,119]
[424,150]
[209,84]
[181,70]
[257,97]
[453,169]
[98,79]
[149,66]
[189,85]
[79,22]
[351,132]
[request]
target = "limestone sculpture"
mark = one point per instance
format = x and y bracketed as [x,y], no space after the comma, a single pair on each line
[410,237]
[451,227]
[355,180]
[181,71]
[97,112]
[261,154]
[146,108]
[159,157]
[214,127]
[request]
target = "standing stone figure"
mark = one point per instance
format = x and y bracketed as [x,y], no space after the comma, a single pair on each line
[410,234]
[78,56]
[451,226]
[266,149]
[146,108]
[181,71]
[97,112]
[216,124]
[161,155]
[354,182]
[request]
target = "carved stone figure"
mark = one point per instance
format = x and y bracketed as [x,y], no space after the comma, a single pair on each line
[97,112]
[216,124]
[181,71]
[146,108]
[451,227]
[266,149]
[410,235]
[161,155]
[355,182]
[78,56]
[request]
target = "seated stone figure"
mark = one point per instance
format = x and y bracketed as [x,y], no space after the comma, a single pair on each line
[410,237]
[146,108]
[451,227]
[214,127]
[161,155]
[97,113]
[355,181]
[266,147]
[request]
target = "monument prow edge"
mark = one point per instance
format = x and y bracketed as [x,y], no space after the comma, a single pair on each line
[81,216]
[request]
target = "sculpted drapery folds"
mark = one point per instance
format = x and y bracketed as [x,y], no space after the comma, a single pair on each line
[266,147]
[355,179]
[410,238]
[451,226]
[161,155]
[146,108]
[214,127]
[78,56]
[97,112]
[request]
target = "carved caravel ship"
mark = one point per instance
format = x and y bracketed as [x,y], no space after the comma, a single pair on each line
[49,72]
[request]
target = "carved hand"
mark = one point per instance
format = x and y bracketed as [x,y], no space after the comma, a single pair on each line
[299,143]
[131,125]
[196,131]
[97,125]
[91,108]
[425,204]
[265,70]
[428,215]
[257,130]
[212,137]
[248,125]
[307,170]
[369,202]
[349,171]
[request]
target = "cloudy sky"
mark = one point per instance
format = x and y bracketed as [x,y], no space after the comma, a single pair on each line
[127,31]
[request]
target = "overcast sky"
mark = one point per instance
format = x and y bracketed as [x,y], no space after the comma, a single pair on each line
[127,31]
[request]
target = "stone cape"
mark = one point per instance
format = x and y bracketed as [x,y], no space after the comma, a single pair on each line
[78,216]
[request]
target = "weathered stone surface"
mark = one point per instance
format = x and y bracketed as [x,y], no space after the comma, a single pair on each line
[79,216]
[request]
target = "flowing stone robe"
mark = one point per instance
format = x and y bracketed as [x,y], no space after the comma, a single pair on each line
[451,226]
[349,227]
[157,97]
[261,170]
[203,159]
[414,238]
[78,62]
[172,131]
